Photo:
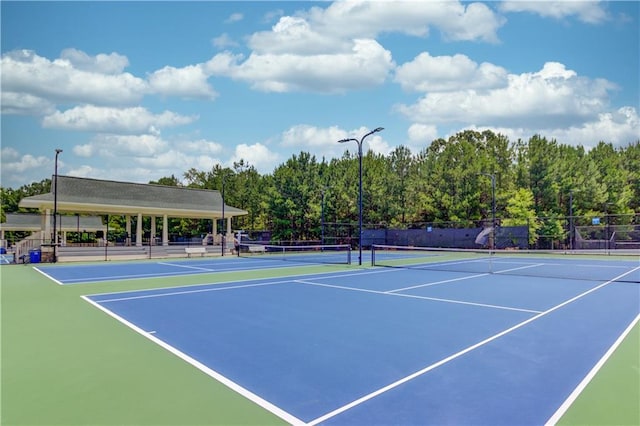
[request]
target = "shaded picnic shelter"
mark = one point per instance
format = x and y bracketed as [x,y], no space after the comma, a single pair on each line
[94,197]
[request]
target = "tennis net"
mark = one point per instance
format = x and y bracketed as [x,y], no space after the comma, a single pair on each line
[590,266]
[332,254]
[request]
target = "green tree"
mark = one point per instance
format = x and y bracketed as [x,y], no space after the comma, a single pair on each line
[167,181]
[401,162]
[295,185]
[543,174]
[520,211]
[615,178]
[631,162]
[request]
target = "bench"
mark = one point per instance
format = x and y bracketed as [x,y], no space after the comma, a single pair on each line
[195,250]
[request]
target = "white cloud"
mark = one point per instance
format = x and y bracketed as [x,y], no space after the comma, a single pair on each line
[257,155]
[188,82]
[202,146]
[223,41]
[323,142]
[24,104]
[420,136]
[295,36]
[306,137]
[619,127]
[88,171]
[101,63]
[143,158]
[235,17]
[362,18]
[113,120]
[9,154]
[24,72]
[591,12]
[130,174]
[122,146]
[378,145]
[552,97]
[177,160]
[367,64]
[427,73]
[333,49]
[17,169]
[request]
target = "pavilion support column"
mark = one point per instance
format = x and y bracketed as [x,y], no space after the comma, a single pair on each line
[228,220]
[165,230]
[139,231]
[128,229]
[152,231]
[46,226]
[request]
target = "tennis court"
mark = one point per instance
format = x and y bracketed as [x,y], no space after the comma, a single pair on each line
[270,257]
[426,343]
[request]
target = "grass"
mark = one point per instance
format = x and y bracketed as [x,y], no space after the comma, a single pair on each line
[66,363]
[613,396]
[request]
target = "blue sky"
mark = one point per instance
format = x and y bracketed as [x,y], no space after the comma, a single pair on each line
[135,91]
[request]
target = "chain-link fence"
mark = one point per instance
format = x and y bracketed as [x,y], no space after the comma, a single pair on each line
[608,232]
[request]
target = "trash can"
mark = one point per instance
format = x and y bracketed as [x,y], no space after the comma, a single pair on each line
[3,250]
[34,256]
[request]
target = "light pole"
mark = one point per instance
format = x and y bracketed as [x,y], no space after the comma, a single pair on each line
[55,206]
[493,207]
[571,219]
[324,188]
[359,142]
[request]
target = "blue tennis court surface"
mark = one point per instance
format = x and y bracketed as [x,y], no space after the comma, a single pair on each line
[390,346]
[75,274]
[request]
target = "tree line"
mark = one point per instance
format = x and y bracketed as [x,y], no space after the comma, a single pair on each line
[450,181]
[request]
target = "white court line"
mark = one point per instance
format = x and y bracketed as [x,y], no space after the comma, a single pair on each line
[198,268]
[436,283]
[317,275]
[216,287]
[202,290]
[583,384]
[126,277]
[447,263]
[48,276]
[425,370]
[535,265]
[208,371]
[412,296]
[599,263]
[154,275]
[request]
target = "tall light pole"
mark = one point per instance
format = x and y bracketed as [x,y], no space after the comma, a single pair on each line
[359,142]
[324,188]
[224,229]
[493,207]
[55,206]
[571,219]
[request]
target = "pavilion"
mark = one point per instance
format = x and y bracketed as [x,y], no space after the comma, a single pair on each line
[84,196]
